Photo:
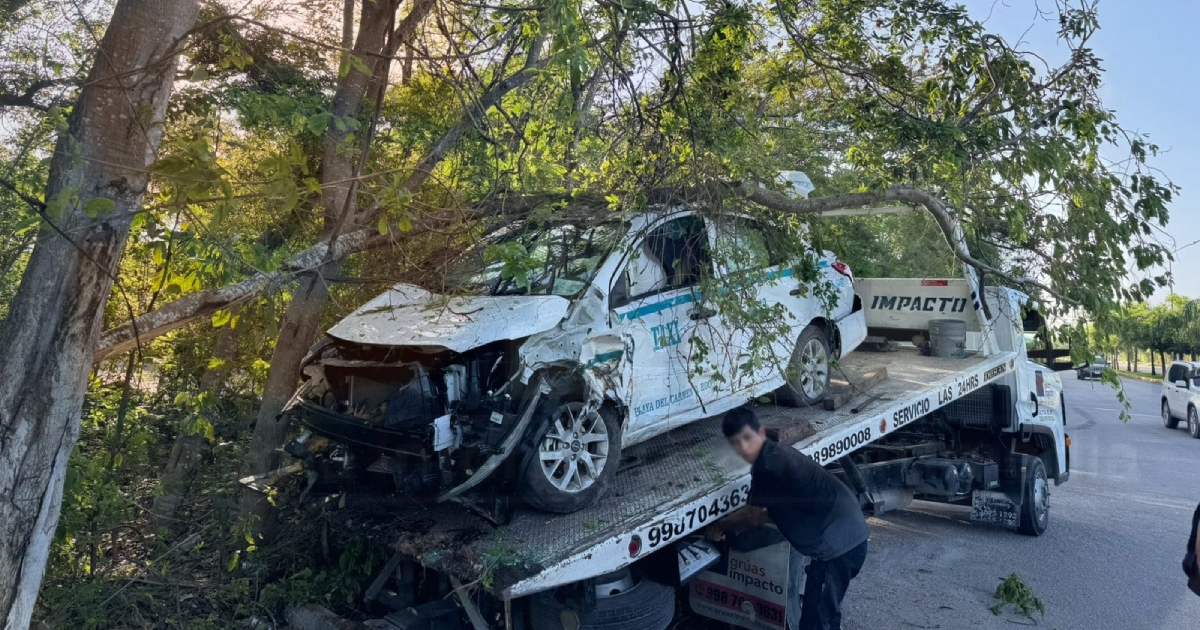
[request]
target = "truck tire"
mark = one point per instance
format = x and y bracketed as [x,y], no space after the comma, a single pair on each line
[572,459]
[1169,421]
[808,370]
[646,605]
[1193,422]
[1035,500]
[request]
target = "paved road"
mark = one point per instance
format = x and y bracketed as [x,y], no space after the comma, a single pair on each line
[1110,559]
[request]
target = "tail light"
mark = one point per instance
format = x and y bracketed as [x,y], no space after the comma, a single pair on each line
[843,269]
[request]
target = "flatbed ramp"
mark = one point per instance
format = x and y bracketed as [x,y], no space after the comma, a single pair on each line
[667,487]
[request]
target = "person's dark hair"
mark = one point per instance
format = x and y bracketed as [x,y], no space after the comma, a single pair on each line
[738,418]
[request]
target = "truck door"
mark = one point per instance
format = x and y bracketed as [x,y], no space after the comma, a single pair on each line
[657,308]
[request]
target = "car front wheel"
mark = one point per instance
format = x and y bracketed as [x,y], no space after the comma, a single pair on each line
[1193,423]
[572,459]
[1169,421]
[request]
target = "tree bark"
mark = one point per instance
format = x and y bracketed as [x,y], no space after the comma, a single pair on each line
[189,451]
[340,167]
[186,456]
[48,340]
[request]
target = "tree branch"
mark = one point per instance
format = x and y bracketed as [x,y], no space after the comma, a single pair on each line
[901,194]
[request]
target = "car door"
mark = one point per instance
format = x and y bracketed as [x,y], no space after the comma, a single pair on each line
[1176,396]
[657,307]
[755,308]
[761,266]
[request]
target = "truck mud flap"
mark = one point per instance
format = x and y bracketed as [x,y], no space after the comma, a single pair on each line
[990,506]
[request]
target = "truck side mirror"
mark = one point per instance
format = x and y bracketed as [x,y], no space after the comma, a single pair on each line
[1181,384]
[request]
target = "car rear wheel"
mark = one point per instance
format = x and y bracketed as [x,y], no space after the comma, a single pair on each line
[1168,420]
[1193,423]
[808,371]
[573,458]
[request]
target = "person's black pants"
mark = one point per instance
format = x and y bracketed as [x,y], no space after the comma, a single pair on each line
[825,587]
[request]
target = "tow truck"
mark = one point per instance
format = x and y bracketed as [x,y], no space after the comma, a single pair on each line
[983,427]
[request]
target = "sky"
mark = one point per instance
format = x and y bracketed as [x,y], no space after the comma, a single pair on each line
[1149,49]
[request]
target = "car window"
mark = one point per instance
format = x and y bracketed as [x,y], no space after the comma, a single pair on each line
[742,244]
[1176,373]
[672,256]
[556,259]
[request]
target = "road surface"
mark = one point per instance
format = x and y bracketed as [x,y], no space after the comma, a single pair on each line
[1111,556]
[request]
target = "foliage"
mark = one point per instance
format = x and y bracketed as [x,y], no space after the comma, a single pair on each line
[622,101]
[1013,591]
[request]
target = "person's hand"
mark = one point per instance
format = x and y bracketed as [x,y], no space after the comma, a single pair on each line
[715,532]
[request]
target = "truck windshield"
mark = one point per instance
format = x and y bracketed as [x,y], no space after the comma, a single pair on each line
[556,259]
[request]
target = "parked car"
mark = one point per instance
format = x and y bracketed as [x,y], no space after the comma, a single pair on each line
[1092,370]
[556,346]
[1181,396]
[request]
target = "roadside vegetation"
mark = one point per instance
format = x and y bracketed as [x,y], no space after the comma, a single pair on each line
[1141,340]
[191,191]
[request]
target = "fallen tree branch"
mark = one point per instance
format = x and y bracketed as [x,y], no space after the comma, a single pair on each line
[203,304]
[893,194]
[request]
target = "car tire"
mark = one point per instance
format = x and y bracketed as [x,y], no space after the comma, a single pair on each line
[1035,499]
[1193,422]
[1169,421]
[808,369]
[554,476]
[647,605]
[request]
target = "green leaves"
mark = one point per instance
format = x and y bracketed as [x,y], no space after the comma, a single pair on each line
[96,205]
[349,62]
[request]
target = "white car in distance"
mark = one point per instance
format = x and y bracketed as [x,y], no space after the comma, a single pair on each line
[557,345]
[1181,396]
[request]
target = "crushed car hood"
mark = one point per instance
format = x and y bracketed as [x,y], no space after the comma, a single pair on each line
[407,315]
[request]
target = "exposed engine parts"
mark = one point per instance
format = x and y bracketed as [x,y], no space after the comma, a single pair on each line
[418,421]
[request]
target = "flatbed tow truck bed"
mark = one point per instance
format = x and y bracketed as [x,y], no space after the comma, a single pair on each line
[667,487]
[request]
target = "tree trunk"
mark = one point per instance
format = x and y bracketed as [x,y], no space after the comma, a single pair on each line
[339,167]
[296,334]
[186,455]
[189,451]
[49,337]
[1162,357]
[1135,359]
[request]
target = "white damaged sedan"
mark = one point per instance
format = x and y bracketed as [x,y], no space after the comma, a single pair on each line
[556,346]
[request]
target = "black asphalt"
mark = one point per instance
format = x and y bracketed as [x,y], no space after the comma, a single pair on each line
[1110,559]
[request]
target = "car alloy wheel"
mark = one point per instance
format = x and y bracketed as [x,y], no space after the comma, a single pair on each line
[814,368]
[574,451]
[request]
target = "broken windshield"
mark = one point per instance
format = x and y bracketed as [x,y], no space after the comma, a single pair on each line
[557,259]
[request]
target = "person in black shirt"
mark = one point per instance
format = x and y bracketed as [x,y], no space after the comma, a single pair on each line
[1190,566]
[813,510]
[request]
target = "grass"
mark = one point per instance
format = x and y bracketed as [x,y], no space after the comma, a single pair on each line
[1138,376]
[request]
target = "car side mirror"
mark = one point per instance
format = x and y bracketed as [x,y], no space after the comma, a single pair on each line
[1182,384]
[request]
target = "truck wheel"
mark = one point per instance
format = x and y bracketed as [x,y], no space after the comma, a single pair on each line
[1169,421]
[622,603]
[1193,423]
[1035,504]
[808,371]
[574,457]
